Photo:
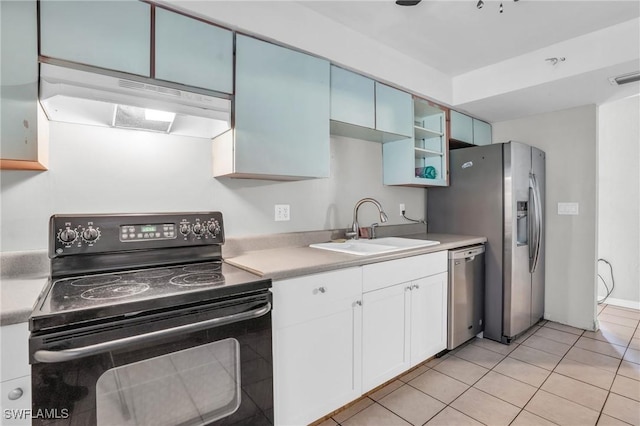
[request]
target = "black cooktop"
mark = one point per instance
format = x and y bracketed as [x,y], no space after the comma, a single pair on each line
[90,298]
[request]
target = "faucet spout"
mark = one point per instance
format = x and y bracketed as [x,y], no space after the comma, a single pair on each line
[355,227]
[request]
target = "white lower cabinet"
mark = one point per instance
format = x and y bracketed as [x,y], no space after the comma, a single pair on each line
[404,315]
[317,321]
[385,343]
[339,334]
[15,375]
[428,317]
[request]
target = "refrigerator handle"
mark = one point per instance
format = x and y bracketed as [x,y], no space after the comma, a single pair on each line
[531,223]
[538,223]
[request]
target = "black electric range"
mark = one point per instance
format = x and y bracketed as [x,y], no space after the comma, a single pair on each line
[110,266]
[144,292]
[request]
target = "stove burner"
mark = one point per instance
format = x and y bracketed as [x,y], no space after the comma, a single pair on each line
[114,291]
[203,267]
[97,280]
[198,279]
[152,273]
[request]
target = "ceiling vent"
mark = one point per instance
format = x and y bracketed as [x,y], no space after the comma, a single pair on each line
[625,78]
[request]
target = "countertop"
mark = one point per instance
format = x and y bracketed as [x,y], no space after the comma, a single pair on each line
[18,295]
[288,262]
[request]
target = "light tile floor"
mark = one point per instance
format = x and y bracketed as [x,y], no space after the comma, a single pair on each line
[554,374]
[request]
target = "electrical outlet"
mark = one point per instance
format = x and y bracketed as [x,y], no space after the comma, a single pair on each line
[402,209]
[282,212]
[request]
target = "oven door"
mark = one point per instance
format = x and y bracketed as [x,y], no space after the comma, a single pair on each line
[201,365]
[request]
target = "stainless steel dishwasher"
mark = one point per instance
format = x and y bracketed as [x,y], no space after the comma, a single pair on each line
[466,294]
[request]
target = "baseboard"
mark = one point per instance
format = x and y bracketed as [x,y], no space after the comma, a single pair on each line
[622,303]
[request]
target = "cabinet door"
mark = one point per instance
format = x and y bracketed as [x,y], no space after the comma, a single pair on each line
[461,127]
[281,111]
[317,324]
[481,132]
[428,317]
[108,34]
[19,80]
[193,52]
[385,342]
[316,366]
[352,98]
[394,110]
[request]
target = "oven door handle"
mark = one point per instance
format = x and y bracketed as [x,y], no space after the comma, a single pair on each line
[63,355]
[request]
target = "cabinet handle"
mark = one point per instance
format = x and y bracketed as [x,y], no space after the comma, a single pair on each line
[320,290]
[408,288]
[416,286]
[358,302]
[15,394]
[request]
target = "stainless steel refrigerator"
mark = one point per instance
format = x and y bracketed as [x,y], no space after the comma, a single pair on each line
[498,191]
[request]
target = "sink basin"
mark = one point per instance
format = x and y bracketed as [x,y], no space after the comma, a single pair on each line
[403,243]
[377,246]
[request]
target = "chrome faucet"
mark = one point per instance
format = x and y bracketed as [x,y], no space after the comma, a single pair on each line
[355,228]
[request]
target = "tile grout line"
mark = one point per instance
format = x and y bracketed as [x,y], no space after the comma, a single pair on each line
[539,388]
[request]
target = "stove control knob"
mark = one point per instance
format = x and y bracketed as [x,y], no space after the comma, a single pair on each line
[90,234]
[214,227]
[198,229]
[67,236]
[184,228]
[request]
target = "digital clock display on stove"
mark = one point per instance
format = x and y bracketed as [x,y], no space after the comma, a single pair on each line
[148,232]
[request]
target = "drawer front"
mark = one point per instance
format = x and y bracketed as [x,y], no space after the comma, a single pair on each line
[385,274]
[300,299]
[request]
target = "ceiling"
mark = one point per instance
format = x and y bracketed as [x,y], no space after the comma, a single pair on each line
[488,64]
[456,38]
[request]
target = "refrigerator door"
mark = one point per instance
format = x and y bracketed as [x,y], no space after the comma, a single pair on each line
[537,264]
[517,239]
[472,205]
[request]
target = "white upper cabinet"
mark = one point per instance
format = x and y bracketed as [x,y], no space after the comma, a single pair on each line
[192,52]
[115,35]
[23,136]
[394,111]
[481,132]
[281,115]
[461,127]
[352,98]
[362,108]
[469,130]
[424,159]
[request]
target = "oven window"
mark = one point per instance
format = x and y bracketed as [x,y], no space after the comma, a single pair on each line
[195,386]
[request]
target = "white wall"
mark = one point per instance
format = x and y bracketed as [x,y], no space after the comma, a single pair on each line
[619,198]
[102,170]
[569,139]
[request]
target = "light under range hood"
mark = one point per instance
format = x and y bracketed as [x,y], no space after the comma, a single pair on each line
[85,97]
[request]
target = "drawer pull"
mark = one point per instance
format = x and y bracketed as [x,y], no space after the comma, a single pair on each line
[15,394]
[319,290]
[358,302]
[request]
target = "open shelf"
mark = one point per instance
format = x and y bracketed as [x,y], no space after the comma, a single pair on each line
[423,160]
[423,153]
[422,132]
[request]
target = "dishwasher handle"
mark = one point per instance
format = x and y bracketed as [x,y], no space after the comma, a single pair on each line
[466,253]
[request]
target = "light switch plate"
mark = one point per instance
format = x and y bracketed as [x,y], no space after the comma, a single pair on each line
[569,209]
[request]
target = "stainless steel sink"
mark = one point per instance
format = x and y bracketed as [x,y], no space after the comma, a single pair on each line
[377,246]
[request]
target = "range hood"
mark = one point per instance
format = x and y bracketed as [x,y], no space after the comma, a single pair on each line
[85,97]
